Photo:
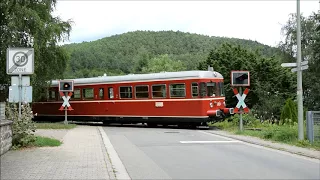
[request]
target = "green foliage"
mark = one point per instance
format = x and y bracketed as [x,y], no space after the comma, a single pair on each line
[270,84]
[310,45]
[130,52]
[45,141]
[289,113]
[23,128]
[30,24]
[162,63]
[54,126]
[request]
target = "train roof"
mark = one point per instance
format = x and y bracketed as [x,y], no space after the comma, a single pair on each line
[145,77]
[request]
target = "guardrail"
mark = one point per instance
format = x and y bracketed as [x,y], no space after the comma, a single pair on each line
[313,126]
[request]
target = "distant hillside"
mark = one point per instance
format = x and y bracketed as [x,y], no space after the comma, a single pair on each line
[123,54]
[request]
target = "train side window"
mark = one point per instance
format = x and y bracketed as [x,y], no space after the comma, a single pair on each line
[125,92]
[177,90]
[142,91]
[110,93]
[203,89]
[52,95]
[76,94]
[159,91]
[221,88]
[195,89]
[101,93]
[87,93]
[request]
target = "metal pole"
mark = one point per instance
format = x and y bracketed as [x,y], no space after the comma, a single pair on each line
[299,76]
[241,122]
[65,113]
[20,95]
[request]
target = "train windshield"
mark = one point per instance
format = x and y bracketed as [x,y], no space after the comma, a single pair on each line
[211,89]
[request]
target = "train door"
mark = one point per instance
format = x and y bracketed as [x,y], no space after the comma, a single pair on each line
[110,93]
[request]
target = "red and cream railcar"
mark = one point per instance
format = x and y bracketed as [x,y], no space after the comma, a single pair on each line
[187,97]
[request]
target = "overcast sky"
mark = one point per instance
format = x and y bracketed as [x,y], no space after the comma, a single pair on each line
[255,20]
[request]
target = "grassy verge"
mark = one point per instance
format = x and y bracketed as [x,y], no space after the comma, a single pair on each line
[39,142]
[287,134]
[45,141]
[54,126]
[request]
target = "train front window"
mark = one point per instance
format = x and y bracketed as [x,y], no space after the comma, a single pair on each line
[221,87]
[213,89]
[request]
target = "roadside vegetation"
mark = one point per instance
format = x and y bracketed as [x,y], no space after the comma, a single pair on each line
[275,131]
[54,126]
[45,141]
[23,129]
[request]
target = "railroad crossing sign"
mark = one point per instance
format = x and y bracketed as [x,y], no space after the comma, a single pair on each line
[241,99]
[240,78]
[66,101]
[20,61]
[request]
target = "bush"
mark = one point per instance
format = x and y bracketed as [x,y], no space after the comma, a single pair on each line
[248,120]
[23,128]
[289,113]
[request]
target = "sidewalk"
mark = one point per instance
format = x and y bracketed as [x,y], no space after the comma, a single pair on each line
[284,147]
[81,156]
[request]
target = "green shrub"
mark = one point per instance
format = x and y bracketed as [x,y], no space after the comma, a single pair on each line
[289,113]
[23,128]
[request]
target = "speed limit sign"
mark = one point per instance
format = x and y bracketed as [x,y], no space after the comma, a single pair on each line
[20,61]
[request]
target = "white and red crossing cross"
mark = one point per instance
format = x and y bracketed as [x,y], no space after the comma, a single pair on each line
[241,100]
[66,101]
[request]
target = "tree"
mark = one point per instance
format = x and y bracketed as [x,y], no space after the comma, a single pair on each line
[30,24]
[289,112]
[310,40]
[163,63]
[268,81]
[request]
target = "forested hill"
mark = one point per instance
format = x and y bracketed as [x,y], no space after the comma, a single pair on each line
[131,52]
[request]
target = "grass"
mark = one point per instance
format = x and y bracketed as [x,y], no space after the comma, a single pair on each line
[284,134]
[55,126]
[45,141]
[40,141]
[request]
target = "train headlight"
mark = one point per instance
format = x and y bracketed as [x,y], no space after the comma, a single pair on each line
[211,105]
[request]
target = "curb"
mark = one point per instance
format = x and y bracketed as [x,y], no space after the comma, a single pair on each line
[118,168]
[268,146]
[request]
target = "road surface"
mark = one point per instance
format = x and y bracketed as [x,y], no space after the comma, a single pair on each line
[166,153]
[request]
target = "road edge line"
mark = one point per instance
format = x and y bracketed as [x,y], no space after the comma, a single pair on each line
[281,150]
[120,170]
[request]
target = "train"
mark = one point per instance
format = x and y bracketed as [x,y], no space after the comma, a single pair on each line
[183,98]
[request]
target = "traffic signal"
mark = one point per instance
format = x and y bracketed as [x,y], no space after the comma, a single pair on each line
[240,78]
[66,86]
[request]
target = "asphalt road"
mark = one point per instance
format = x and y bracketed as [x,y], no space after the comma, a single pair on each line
[164,153]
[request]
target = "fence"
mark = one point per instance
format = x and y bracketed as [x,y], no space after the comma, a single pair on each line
[2,110]
[313,126]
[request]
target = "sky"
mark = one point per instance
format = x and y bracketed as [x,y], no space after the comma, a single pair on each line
[254,20]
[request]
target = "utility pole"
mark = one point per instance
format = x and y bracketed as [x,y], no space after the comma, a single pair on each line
[299,76]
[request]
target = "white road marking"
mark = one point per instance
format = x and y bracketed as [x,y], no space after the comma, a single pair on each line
[267,148]
[207,142]
[121,172]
